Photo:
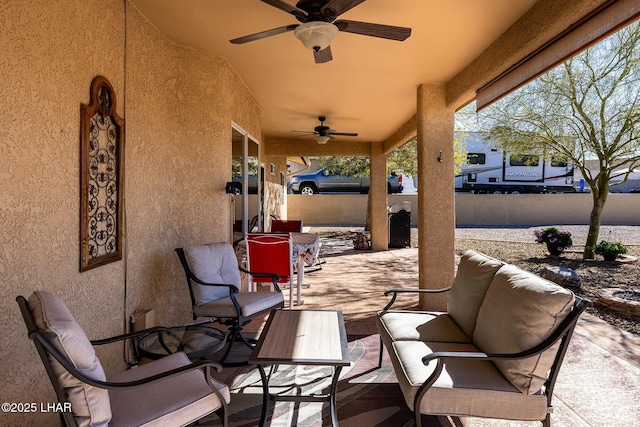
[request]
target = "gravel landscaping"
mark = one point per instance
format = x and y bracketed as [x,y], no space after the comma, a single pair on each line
[517,246]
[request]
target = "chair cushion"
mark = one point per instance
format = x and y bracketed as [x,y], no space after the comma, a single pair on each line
[213,263]
[179,400]
[400,325]
[475,273]
[250,303]
[520,311]
[464,388]
[90,405]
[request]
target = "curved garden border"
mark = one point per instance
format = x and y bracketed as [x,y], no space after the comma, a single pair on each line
[609,297]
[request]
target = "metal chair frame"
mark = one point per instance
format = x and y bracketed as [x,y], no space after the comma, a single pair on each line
[45,347]
[235,323]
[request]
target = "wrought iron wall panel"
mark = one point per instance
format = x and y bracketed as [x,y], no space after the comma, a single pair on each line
[101,177]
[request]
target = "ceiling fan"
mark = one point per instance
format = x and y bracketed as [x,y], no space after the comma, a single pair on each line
[319,26]
[322,134]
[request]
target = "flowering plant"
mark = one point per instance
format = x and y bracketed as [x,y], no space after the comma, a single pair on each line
[610,250]
[557,241]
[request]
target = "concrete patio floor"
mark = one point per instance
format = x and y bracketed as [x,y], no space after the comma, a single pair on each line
[599,382]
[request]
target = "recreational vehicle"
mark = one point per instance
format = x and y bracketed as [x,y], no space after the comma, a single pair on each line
[490,170]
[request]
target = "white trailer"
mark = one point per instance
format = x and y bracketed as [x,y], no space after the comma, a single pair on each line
[490,170]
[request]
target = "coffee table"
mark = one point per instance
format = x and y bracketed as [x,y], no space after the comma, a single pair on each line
[195,341]
[302,337]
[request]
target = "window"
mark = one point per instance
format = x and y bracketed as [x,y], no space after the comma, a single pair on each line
[476,158]
[524,160]
[558,162]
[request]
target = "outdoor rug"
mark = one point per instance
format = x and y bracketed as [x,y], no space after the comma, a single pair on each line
[368,396]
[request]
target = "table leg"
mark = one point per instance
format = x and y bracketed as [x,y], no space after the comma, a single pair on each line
[265,395]
[332,396]
[300,279]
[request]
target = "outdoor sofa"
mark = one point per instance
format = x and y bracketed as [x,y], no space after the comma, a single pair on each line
[495,353]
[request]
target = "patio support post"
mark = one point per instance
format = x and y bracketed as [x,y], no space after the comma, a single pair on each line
[378,198]
[436,203]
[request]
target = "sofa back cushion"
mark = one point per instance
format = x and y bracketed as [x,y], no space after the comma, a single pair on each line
[90,405]
[475,273]
[212,263]
[520,310]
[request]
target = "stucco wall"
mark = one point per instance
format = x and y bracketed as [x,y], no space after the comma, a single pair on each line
[475,209]
[50,53]
[178,105]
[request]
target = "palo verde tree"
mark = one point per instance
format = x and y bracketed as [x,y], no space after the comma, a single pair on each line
[585,109]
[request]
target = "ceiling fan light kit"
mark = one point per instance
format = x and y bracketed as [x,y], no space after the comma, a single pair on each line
[322,139]
[316,35]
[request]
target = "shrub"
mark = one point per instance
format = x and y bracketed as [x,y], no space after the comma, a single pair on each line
[610,250]
[557,241]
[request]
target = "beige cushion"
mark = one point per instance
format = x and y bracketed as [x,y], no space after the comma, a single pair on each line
[519,311]
[415,325]
[213,263]
[464,388]
[179,400]
[90,405]
[250,303]
[475,273]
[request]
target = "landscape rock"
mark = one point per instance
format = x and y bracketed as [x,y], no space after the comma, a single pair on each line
[562,275]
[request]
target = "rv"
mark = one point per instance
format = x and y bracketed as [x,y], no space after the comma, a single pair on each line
[490,170]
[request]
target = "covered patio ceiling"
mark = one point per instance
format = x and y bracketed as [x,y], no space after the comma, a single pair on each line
[370,85]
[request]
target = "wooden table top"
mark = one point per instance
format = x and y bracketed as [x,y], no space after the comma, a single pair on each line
[303,337]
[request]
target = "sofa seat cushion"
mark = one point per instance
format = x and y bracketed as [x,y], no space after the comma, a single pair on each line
[90,405]
[402,325]
[163,402]
[251,303]
[464,388]
[474,275]
[520,310]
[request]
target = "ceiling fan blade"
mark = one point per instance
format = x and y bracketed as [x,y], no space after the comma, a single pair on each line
[287,8]
[374,30]
[308,132]
[340,6]
[264,34]
[323,55]
[343,133]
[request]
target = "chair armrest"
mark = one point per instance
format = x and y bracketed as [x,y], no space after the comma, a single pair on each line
[274,277]
[232,288]
[37,336]
[117,338]
[395,293]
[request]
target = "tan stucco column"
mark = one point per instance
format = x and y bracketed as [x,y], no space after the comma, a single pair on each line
[378,198]
[436,210]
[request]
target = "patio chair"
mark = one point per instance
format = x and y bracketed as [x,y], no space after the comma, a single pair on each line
[213,277]
[271,253]
[286,226]
[169,391]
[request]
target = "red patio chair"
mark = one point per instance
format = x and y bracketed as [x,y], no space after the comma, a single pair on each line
[270,254]
[286,226]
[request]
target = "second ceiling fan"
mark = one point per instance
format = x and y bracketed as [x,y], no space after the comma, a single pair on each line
[319,25]
[323,134]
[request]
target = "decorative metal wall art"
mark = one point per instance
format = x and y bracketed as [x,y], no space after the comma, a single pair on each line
[101,177]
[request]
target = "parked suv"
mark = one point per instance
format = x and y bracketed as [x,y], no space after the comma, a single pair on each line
[327,181]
